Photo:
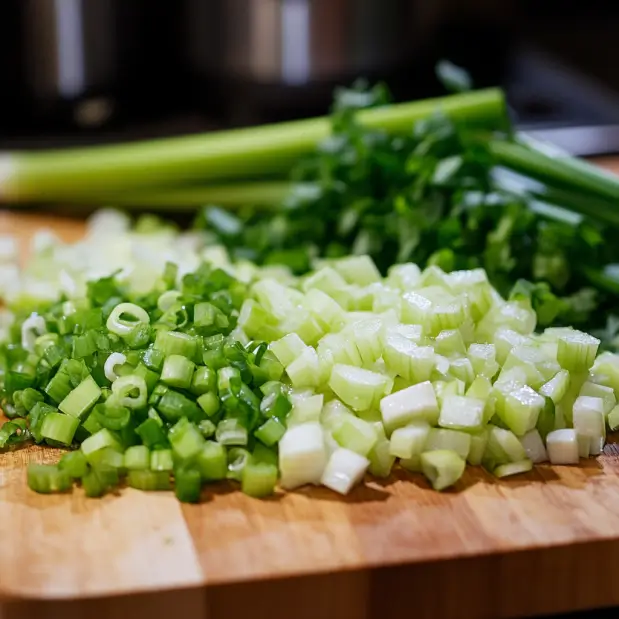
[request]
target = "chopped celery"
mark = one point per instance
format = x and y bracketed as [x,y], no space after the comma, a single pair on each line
[442,467]
[613,418]
[513,468]
[360,389]
[600,391]
[409,441]
[450,440]
[462,413]
[381,460]
[556,387]
[479,440]
[577,350]
[302,455]
[562,446]
[344,470]
[590,421]
[355,434]
[416,403]
[534,447]
[521,409]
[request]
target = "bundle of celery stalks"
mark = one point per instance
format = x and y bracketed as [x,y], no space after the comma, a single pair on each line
[292,339]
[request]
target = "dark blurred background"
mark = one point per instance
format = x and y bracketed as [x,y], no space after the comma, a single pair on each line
[88,70]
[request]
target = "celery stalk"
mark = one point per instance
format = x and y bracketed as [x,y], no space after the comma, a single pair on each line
[230,154]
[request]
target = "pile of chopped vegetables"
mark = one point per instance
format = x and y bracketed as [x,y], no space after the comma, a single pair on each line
[158,362]
[295,340]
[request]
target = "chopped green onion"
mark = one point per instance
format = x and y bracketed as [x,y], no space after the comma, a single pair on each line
[186,440]
[74,463]
[137,457]
[187,485]
[177,371]
[59,428]
[125,317]
[259,479]
[130,391]
[46,478]
[238,458]
[81,399]
[231,432]
[212,461]
[149,480]
[161,460]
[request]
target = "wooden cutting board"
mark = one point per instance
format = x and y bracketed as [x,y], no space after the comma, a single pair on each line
[546,541]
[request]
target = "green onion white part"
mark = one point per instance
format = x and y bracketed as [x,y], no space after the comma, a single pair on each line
[160,358]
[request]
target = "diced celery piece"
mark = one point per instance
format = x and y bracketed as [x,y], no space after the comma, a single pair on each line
[413,333]
[302,455]
[513,468]
[461,413]
[288,348]
[504,340]
[416,309]
[416,403]
[532,355]
[385,299]
[600,391]
[355,434]
[275,298]
[332,413]
[589,420]
[442,467]
[521,409]
[359,270]
[305,407]
[434,276]
[512,315]
[481,389]
[407,359]
[462,369]
[613,418]
[381,460]
[365,336]
[557,386]
[404,276]
[326,279]
[452,440]
[344,470]
[412,464]
[503,446]
[562,446]
[449,342]
[410,440]
[479,440]
[483,360]
[577,350]
[304,325]
[304,370]
[447,313]
[257,322]
[325,310]
[341,348]
[445,388]
[546,421]
[584,445]
[534,447]
[606,370]
[440,372]
[358,388]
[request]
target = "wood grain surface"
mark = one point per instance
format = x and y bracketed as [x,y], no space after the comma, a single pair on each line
[546,541]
